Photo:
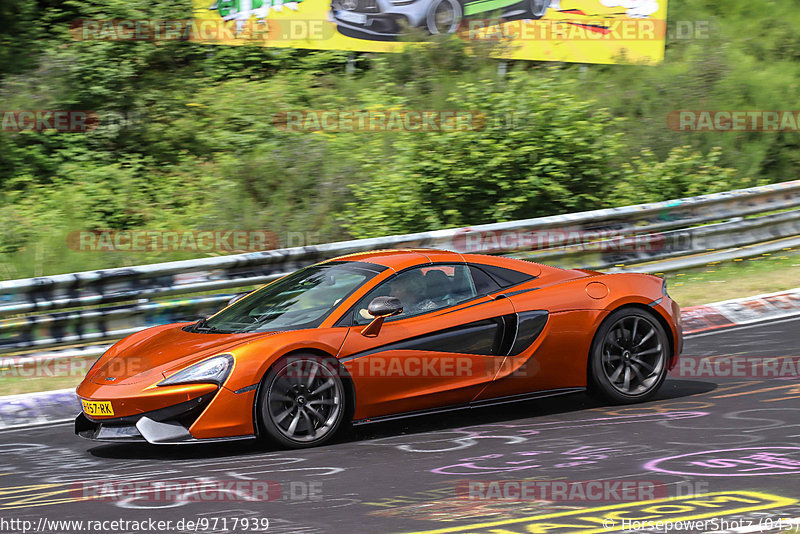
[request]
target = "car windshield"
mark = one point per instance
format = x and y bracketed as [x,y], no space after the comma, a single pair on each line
[300,300]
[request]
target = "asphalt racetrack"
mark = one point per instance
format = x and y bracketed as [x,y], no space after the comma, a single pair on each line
[718,453]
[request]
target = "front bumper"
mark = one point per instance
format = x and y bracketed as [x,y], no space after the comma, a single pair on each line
[217,414]
[379,18]
[381,26]
[167,425]
[144,430]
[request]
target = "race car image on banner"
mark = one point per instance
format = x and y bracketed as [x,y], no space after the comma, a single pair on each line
[378,18]
[585,31]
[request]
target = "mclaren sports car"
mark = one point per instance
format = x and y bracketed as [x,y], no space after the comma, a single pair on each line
[381,335]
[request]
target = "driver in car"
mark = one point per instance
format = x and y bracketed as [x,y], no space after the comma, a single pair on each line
[410,289]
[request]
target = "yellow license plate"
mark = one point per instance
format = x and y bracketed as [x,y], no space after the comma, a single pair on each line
[97,408]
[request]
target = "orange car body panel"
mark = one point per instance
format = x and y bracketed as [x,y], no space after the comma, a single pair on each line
[396,381]
[576,303]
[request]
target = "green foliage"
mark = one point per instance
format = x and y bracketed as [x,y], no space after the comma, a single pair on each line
[542,152]
[683,173]
[187,139]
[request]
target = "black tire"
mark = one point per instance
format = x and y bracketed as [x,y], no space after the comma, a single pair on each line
[536,9]
[444,16]
[302,401]
[629,356]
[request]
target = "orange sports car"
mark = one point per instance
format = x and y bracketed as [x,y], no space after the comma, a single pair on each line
[380,335]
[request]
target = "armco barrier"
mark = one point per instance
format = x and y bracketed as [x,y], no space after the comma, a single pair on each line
[665,235]
[82,326]
[222,272]
[648,247]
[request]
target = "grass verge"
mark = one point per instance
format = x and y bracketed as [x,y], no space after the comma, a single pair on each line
[715,282]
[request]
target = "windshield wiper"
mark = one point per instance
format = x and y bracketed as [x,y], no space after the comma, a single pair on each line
[202,327]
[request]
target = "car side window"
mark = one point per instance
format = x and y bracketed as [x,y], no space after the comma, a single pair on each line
[484,284]
[422,290]
[505,277]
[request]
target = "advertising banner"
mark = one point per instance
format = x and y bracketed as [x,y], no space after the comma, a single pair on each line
[583,31]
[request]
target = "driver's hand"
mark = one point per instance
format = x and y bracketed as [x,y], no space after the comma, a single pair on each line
[365,314]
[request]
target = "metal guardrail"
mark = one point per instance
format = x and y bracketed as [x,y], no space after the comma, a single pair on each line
[83,326]
[654,237]
[647,247]
[209,274]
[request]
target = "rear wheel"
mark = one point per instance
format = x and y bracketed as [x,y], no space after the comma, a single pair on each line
[628,359]
[302,401]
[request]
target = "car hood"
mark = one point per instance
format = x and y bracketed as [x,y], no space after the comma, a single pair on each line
[146,355]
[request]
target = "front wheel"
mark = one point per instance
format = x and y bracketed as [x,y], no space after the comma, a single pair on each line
[628,359]
[443,16]
[302,401]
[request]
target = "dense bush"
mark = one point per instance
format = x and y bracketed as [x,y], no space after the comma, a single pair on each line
[187,137]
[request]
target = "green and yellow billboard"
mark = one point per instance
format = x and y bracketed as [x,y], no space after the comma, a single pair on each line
[584,31]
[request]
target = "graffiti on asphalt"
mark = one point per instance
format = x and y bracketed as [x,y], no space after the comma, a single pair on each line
[741,462]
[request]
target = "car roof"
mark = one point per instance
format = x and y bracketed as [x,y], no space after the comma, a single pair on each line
[401,258]
[398,259]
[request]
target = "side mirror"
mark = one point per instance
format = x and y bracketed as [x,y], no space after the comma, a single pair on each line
[381,308]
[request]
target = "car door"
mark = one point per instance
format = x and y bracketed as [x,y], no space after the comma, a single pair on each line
[441,351]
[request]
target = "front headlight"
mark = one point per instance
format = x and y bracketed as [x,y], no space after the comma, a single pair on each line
[211,371]
[664,288]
